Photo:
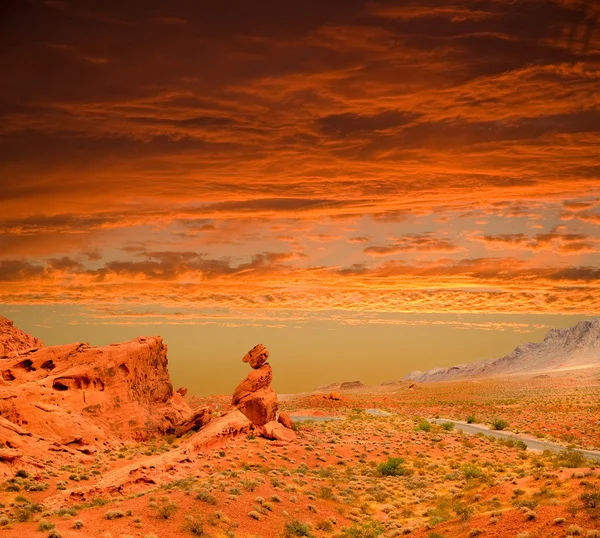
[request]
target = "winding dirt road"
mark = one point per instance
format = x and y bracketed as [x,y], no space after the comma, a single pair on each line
[532,444]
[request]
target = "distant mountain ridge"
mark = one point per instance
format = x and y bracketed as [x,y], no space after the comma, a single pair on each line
[575,347]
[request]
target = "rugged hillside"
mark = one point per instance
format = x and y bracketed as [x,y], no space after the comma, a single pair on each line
[82,395]
[13,340]
[575,347]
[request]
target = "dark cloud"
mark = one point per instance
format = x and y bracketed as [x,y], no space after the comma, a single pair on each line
[161,144]
[413,243]
[343,125]
[16,270]
[171,265]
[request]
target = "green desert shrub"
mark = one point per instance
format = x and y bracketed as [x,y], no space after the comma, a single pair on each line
[590,500]
[571,459]
[471,471]
[499,424]
[392,467]
[296,528]
[44,525]
[167,510]
[194,526]
[206,497]
[368,529]
[423,426]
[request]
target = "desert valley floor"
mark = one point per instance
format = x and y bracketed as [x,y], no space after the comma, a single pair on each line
[364,475]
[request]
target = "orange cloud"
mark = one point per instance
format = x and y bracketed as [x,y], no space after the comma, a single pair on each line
[413,243]
[269,157]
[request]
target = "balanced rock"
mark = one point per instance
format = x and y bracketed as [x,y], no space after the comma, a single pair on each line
[254,396]
[257,356]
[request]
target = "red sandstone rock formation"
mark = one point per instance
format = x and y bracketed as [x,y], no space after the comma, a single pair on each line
[65,401]
[257,356]
[276,431]
[285,419]
[77,394]
[13,340]
[257,400]
[254,396]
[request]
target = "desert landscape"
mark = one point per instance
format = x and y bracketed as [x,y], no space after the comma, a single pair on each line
[300,268]
[96,442]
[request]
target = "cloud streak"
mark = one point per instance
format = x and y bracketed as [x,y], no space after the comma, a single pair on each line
[302,156]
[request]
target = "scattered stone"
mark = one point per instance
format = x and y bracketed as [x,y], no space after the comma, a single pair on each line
[276,431]
[285,419]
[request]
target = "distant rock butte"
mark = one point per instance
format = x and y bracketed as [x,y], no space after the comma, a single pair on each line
[575,347]
[345,385]
[349,385]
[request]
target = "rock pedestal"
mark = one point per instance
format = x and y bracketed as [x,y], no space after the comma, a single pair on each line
[257,400]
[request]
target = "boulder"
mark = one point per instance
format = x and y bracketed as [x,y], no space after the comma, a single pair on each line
[256,380]
[285,419]
[232,424]
[334,396]
[195,421]
[182,391]
[257,356]
[276,431]
[260,407]
[10,455]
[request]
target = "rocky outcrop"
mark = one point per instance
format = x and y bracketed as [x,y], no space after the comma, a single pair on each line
[257,356]
[575,347]
[349,385]
[254,396]
[77,394]
[232,424]
[277,432]
[343,386]
[13,340]
[285,419]
[195,421]
[70,401]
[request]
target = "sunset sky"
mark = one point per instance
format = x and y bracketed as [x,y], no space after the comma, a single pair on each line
[365,187]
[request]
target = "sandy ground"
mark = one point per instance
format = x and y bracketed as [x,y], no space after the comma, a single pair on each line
[364,476]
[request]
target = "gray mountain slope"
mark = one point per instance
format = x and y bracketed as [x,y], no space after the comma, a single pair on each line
[575,347]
